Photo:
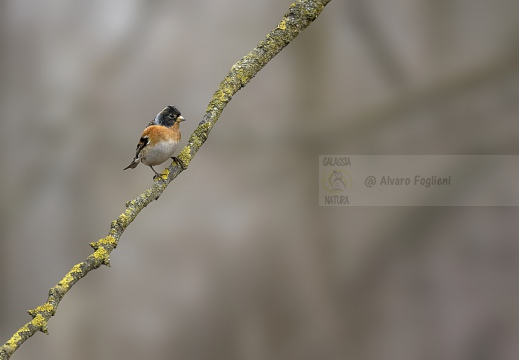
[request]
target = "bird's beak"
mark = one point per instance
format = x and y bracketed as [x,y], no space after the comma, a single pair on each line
[181,118]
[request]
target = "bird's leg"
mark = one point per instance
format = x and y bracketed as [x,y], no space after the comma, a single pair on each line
[179,162]
[157,175]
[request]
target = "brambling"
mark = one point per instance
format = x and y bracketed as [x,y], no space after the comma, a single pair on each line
[159,140]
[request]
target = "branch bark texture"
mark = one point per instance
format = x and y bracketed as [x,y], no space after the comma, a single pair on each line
[299,16]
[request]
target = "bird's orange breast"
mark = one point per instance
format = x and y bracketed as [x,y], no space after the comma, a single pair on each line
[159,133]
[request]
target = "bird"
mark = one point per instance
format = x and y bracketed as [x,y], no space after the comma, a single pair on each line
[159,140]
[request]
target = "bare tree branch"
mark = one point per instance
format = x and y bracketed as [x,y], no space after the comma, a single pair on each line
[300,14]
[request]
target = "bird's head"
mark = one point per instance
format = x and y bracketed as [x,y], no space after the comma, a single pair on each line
[168,116]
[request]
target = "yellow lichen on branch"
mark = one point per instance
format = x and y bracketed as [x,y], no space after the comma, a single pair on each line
[300,14]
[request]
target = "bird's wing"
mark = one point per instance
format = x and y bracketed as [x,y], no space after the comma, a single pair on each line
[142,143]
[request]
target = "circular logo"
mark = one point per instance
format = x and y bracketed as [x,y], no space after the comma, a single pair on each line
[336,181]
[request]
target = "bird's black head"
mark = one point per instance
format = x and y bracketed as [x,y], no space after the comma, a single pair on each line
[168,116]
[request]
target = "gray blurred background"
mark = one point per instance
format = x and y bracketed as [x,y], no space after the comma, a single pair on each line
[236,260]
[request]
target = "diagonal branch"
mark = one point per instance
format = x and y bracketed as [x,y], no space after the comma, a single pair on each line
[300,14]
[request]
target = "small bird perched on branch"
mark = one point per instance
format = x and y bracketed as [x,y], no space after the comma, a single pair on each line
[159,140]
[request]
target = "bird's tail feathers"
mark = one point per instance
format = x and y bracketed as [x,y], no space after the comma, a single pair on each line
[133,164]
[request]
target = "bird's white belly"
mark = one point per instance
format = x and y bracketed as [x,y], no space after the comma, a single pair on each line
[159,153]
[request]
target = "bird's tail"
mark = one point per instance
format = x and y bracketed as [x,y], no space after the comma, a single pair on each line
[133,164]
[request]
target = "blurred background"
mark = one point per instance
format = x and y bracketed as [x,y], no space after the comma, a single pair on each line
[236,260]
